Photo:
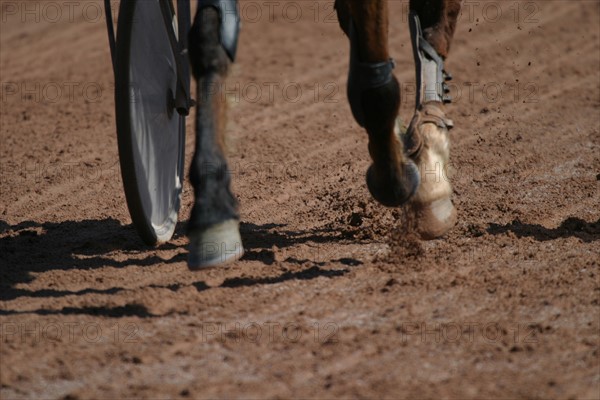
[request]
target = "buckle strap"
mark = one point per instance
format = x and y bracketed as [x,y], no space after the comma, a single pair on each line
[430,112]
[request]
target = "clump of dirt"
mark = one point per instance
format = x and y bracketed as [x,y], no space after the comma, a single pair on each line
[404,241]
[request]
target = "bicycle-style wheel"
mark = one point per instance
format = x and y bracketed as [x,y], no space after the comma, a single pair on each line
[151,133]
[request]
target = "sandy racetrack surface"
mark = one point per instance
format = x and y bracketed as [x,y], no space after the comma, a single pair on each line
[333,298]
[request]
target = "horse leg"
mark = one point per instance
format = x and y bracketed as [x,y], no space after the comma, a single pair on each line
[213,227]
[374,96]
[432,26]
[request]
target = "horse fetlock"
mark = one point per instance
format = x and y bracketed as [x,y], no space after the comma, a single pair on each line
[214,245]
[214,200]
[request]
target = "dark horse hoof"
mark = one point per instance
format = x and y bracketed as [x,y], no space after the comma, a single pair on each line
[393,189]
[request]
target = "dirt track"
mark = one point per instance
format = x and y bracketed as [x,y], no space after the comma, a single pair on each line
[332,299]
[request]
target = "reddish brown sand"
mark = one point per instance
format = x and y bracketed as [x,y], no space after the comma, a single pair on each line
[333,298]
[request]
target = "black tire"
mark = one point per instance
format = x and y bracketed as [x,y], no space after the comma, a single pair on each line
[151,134]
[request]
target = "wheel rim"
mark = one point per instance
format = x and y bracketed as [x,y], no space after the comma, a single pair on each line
[155,127]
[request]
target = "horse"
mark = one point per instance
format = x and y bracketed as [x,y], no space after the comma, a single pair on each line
[402,160]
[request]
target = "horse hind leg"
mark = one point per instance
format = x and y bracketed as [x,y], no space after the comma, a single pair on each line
[374,96]
[213,228]
[427,139]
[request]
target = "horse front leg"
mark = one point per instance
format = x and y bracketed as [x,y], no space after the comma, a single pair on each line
[213,228]
[432,25]
[374,96]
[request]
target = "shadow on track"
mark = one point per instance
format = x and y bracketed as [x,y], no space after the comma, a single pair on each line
[571,227]
[32,247]
[83,245]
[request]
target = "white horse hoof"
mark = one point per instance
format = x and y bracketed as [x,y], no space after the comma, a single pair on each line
[432,202]
[435,219]
[219,244]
